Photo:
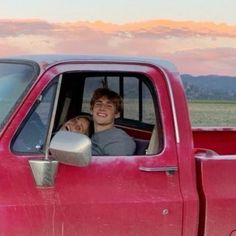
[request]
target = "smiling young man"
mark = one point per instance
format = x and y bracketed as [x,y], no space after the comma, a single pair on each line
[108,140]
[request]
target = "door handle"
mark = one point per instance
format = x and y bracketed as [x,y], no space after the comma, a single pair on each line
[168,169]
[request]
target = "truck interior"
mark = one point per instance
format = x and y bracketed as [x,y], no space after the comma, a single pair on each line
[140,117]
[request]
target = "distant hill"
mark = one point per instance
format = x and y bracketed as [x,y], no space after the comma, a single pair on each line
[213,87]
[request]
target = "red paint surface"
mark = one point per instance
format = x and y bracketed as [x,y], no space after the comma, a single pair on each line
[217,182]
[112,196]
[105,198]
[221,140]
[109,197]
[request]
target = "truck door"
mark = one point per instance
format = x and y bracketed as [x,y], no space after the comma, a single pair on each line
[114,195]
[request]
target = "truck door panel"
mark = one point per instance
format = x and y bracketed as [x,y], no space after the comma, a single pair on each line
[111,196]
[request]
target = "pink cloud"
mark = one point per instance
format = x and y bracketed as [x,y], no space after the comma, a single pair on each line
[195,47]
[219,61]
[14,28]
[6,50]
[163,28]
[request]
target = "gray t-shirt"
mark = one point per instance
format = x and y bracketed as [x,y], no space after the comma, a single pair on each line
[112,142]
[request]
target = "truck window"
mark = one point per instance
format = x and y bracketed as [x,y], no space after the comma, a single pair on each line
[14,80]
[211,100]
[139,116]
[138,101]
[31,135]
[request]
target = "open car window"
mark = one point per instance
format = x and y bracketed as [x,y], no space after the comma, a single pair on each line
[139,119]
[140,115]
[137,97]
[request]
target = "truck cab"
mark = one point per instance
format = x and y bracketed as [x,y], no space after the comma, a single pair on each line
[51,183]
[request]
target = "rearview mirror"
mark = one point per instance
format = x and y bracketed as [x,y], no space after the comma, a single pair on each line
[71,148]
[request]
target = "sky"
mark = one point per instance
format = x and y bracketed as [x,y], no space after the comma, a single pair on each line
[198,36]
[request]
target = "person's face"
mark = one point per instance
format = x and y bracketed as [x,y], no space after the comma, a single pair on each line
[78,124]
[104,112]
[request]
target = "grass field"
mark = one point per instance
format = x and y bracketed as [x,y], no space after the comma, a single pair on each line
[213,113]
[202,112]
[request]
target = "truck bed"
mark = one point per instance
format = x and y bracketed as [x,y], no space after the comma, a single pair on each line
[217,193]
[220,140]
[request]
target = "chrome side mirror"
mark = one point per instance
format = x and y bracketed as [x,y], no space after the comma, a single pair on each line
[66,147]
[71,148]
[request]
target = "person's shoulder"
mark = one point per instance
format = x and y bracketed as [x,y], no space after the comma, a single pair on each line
[120,132]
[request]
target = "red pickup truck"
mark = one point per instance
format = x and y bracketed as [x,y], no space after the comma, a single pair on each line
[178,182]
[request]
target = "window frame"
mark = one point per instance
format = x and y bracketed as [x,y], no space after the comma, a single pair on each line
[36,104]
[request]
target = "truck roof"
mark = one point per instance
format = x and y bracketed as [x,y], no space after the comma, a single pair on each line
[49,59]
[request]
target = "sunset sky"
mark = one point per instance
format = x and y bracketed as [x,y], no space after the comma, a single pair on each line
[199,36]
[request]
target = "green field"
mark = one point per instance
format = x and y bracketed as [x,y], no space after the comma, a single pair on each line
[213,113]
[217,113]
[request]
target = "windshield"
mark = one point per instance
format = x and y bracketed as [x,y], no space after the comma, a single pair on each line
[14,80]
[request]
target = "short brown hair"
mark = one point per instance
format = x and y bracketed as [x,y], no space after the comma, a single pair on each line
[111,95]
